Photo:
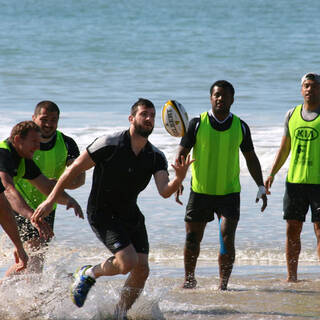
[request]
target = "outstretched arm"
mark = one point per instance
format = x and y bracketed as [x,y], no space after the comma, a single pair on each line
[280,159]
[81,164]
[254,168]
[165,187]
[45,185]
[77,181]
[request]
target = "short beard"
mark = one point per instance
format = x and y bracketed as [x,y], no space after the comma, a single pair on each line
[48,137]
[145,133]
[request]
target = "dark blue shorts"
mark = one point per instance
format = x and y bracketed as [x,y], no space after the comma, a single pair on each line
[202,207]
[297,200]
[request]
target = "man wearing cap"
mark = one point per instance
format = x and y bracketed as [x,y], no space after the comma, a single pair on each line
[301,137]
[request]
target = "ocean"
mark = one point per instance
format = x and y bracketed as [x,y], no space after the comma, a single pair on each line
[95,59]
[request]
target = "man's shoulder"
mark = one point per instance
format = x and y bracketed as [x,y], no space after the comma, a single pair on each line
[194,123]
[6,149]
[68,141]
[156,150]
[242,122]
[107,140]
[290,113]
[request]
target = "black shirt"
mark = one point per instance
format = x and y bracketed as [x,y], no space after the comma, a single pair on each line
[10,160]
[120,175]
[189,139]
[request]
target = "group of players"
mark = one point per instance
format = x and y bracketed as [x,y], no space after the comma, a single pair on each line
[38,160]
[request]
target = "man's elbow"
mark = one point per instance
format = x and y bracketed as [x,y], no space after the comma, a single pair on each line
[165,194]
[77,182]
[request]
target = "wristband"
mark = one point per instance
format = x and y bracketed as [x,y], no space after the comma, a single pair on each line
[261,191]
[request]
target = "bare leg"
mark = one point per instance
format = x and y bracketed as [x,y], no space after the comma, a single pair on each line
[194,235]
[227,251]
[293,248]
[133,286]
[125,261]
[121,263]
[316,227]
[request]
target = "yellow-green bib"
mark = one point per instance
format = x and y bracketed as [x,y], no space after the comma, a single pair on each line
[51,163]
[216,168]
[22,166]
[305,149]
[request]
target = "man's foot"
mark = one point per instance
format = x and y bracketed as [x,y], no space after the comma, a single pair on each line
[120,314]
[223,288]
[189,284]
[81,286]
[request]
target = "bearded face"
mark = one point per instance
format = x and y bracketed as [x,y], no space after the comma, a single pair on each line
[142,130]
[143,121]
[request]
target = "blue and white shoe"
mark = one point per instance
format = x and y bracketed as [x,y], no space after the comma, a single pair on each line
[81,286]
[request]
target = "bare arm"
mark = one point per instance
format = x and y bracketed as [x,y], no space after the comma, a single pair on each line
[9,225]
[19,205]
[165,187]
[254,168]
[182,151]
[81,164]
[280,159]
[45,186]
[77,181]
[16,201]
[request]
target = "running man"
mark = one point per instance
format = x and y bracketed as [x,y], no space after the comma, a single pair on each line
[16,162]
[9,225]
[216,137]
[57,151]
[302,138]
[123,166]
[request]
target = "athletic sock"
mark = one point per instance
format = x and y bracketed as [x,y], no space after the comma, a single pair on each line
[89,272]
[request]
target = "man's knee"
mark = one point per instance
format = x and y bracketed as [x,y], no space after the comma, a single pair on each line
[192,241]
[127,264]
[141,271]
[294,229]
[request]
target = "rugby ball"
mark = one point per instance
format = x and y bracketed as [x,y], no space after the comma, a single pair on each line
[175,118]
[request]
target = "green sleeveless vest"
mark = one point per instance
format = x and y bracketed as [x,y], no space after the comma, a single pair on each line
[305,149]
[216,168]
[52,164]
[22,166]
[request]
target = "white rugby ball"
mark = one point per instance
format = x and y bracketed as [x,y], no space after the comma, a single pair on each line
[175,118]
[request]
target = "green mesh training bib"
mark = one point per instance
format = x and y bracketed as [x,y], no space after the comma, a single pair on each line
[22,166]
[305,149]
[216,168]
[52,164]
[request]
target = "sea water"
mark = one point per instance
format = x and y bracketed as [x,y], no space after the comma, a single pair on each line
[95,59]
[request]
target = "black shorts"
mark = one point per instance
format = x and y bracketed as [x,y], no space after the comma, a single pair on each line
[201,207]
[117,234]
[297,200]
[27,231]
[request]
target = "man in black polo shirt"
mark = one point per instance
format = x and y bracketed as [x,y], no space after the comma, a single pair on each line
[124,164]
